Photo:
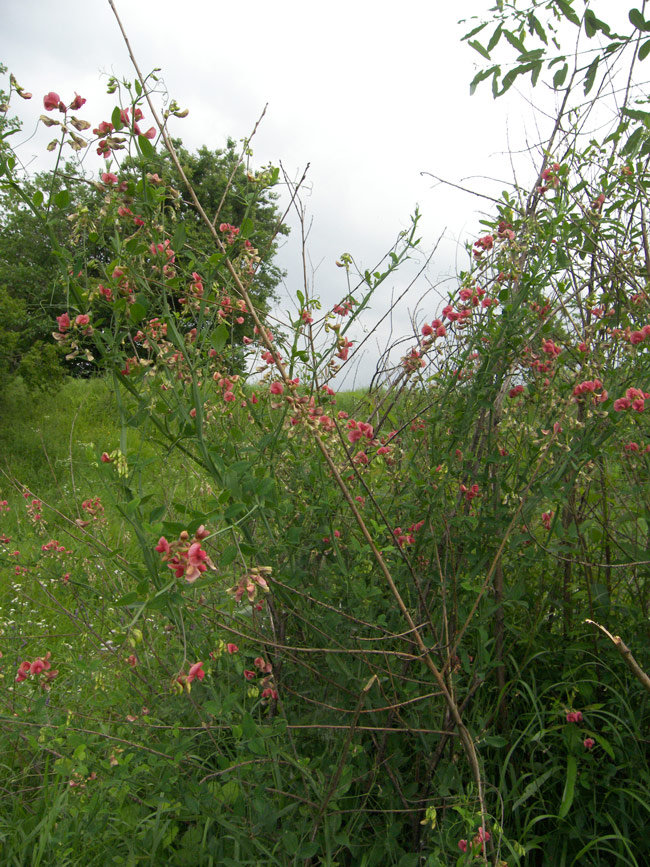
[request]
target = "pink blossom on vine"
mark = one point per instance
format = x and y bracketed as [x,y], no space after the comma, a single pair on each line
[196,672]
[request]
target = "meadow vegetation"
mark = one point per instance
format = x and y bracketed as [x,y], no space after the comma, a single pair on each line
[248,619]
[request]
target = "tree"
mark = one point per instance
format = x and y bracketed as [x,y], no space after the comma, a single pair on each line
[93,220]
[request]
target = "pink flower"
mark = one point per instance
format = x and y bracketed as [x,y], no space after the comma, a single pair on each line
[106,458]
[163,546]
[589,743]
[248,674]
[276,388]
[262,665]
[462,845]
[196,671]
[574,716]
[109,178]
[269,693]
[150,133]
[23,671]
[82,319]
[232,648]
[64,322]
[77,102]
[51,101]
[132,660]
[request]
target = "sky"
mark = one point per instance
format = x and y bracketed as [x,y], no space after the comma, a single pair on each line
[371,95]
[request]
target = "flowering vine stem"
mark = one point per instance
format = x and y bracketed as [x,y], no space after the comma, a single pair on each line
[465,736]
[626,653]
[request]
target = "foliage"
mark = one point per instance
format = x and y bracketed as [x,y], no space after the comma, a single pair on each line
[95,221]
[262,622]
[543,23]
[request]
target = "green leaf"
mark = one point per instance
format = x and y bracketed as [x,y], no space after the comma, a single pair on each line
[220,337]
[215,259]
[560,76]
[137,312]
[157,514]
[248,726]
[290,842]
[567,10]
[644,50]
[116,118]
[478,47]
[494,39]
[637,20]
[590,77]
[37,199]
[62,199]
[633,143]
[246,228]
[636,114]
[515,41]
[146,148]
[474,31]
[479,77]
[138,87]
[180,236]
[535,24]
[510,77]
[228,556]
[593,24]
[569,786]
[495,741]
[131,598]
[532,788]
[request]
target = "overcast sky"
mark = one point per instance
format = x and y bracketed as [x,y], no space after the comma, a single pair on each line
[370,94]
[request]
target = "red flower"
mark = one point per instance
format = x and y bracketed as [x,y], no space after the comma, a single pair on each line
[77,102]
[51,101]
[196,671]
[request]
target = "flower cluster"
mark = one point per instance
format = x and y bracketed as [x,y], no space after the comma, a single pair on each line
[477,843]
[248,584]
[265,668]
[39,665]
[471,492]
[230,232]
[344,307]
[591,386]
[186,556]
[549,178]
[183,681]
[634,399]
[69,332]
[407,537]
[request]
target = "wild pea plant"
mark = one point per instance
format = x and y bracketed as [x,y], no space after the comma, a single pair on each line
[297,633]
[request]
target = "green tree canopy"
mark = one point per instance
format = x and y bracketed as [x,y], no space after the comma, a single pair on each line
[88,218]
